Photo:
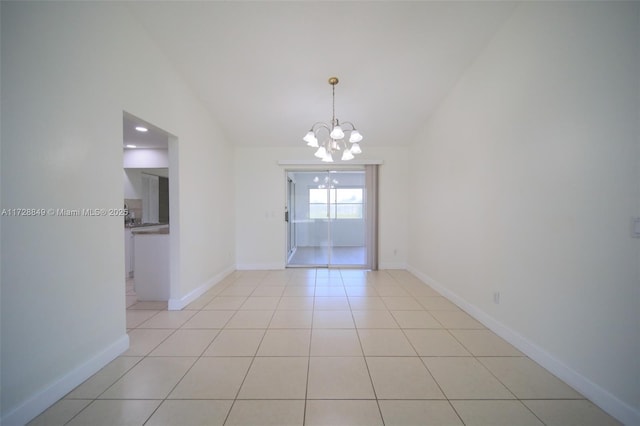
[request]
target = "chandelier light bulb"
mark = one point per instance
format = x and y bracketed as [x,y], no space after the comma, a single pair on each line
[355,148]
[347,155]
[355,136]
[337,133]
[328,158]
[321,152]
[310,139]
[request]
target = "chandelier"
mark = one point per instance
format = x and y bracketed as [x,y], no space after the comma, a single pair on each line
[334,140]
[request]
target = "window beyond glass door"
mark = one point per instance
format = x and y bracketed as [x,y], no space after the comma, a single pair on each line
[336,203]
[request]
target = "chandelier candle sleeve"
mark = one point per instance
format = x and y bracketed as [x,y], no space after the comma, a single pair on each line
[335,135]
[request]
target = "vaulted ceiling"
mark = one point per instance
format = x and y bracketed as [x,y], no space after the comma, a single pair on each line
[262,67]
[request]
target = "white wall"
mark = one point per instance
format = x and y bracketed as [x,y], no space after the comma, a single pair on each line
[69,69]
[524,182]
[145,158]
[261,191]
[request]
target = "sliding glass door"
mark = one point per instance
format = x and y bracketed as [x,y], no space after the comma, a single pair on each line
[327,223]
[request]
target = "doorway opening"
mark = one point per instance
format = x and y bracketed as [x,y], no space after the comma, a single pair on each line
[151,199]
[329,217]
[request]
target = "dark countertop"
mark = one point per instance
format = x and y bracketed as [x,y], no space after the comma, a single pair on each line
[161,231]
[144,225]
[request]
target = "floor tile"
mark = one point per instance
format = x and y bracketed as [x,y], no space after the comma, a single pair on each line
[115,412]
[151,378]
[339,378]
[250,319]
[437,304]
[456,319]
[186,343]
[422,290]
[252,348]
[260,303]
[107,376]
[402,304]
[333,319]
[190,413]
[60,412]
[485,343]
[276,378]
[212,378]
[330,291]
[402,378]
[266,413]
[361,291]
[367,303]
[376,342]
[299,291]
[570,413]
[331,303]
[225,303]
[304,303]
[415,319]
[135,318]
[235,343]
[342,413]
[391,291]
[528,380]
[168,319]
[495,413]
[285,343]
[418,413]
[209,319]
[435,343]
[335,342]
[291,319]
[374,319]
[199,303]
[268,291]
[465,378]
[238,290]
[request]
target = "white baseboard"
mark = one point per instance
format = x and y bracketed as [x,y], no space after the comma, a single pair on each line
[176,304]
[608,402]
[46,397]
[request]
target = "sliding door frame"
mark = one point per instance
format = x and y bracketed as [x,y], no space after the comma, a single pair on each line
[369,211]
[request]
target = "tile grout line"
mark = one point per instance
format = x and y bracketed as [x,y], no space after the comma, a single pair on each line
[366,363]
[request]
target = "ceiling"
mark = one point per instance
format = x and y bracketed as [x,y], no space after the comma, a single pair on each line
[262,67]
[153,138]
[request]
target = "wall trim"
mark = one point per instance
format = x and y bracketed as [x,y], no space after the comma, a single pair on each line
[49,395]
[179,303]
[604,399]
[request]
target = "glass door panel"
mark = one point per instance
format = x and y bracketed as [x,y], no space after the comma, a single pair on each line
[327,218]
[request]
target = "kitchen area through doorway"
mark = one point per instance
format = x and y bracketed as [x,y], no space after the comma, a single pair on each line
[147,200]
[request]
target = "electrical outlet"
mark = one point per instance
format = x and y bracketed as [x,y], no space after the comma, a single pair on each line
[496,297]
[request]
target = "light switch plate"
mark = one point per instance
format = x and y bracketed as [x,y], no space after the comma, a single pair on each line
[635,227]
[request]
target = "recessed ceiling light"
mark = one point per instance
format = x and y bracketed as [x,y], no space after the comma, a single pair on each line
[142,129]
[131,146]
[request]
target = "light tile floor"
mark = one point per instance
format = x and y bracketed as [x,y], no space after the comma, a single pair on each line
[319,347]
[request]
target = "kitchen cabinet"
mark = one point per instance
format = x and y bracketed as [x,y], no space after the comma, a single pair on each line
[151,254]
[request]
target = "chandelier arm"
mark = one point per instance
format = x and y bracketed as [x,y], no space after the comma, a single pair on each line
[319,125]
[350,124]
